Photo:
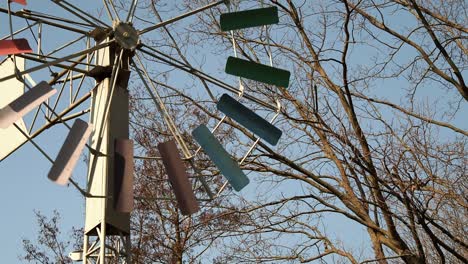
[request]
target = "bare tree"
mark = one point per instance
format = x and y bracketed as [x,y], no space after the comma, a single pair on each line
[394,162]
[50,245]
[371,135]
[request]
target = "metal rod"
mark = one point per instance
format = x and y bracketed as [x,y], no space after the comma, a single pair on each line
[10,19]
[65,45]
[34,143]
[73,116]
[114,9]
[57,61]
[60,93]
[251,148]
[177,18]
[27,16]
[59,3]
[53,121]
[60,19]
[84,13]
[108,10]
[170,123]
[79,88]
[19,31]
[132,10]
[39,41]
[74,77]
[59,65]
[187,68]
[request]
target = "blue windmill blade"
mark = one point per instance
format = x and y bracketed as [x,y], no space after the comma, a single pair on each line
[227,166]
[249,119]
[249,18]
[257,72]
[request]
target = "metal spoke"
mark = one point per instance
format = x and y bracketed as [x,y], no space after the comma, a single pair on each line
[109,13]
[114,9]
[79,13]
[19,31]
[59,19]
[50,23]
[187,68]
[47,157]
[132,10]
[45,65]
[65,45]
[177,18]
[54,121]
[169,121]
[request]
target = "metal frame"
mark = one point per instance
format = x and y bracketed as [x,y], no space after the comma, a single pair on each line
[97,247]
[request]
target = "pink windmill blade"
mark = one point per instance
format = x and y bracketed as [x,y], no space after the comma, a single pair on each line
[21,2]
[15,46]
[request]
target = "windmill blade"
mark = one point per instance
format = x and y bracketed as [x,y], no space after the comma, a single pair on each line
[123,175]
[228,167]
[25,103]
[257,72]
[249,119]
[21,2]
[178,178]
[10,137]
[70,152]
[14,46]
[249,18]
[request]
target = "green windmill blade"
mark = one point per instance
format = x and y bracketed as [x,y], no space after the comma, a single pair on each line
[226,165]
[257,72]
[249,18]
[249,119]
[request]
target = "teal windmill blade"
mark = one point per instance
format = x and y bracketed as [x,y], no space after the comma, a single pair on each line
[249,18]
[257,72]
[249,119]
[226,165]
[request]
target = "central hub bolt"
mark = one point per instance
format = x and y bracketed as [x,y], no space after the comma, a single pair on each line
[126,35]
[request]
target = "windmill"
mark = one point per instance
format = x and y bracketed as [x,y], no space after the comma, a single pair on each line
[116,54]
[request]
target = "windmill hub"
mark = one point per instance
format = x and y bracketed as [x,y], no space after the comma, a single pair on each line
[126,35]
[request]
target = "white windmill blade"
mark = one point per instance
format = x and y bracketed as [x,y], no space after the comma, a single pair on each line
[11,138]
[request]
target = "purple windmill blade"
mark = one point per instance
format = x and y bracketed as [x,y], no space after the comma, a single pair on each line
[123,175]
[14,46]
[178,178]
[25,103]
[70,152]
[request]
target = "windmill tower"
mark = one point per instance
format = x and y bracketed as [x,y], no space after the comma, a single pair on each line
[110,165]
